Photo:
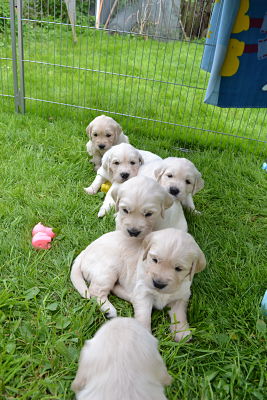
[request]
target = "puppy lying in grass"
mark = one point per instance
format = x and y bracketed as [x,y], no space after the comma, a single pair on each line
[139,210]
[155,272]
[121,361]
[182,180]
[103,132]
[119,164]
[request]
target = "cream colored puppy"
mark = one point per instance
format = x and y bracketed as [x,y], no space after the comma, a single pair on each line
[178,176]
[119,164]
[157,272]
[103,132]
[121,361]
[138,212]
[140,204]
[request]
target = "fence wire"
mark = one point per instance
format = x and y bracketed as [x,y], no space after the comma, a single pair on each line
[136,59]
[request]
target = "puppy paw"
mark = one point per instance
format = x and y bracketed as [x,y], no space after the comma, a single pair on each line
[90,190]
[187,335]
[111,313]
[101,213]
[180,333]
[196,212]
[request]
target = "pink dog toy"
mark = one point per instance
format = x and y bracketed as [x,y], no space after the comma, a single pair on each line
[42,236]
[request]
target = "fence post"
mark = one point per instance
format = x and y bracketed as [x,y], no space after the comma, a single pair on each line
[14,53]
[21,58]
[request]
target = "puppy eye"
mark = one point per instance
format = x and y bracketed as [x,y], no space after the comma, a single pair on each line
[155,260]
[188,181]
[148,214]
[95,134]
[178,269]
[116,162]
[169,175]
[125,210]
[108,135]
[132,163]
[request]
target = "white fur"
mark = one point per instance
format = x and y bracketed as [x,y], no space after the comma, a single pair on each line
[121,362]
[119,164]
[103,132]
[133,269]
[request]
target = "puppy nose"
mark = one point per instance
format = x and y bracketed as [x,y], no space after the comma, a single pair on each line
[125,175]
[101,146]
[133,232]
[174,190]
[159,285]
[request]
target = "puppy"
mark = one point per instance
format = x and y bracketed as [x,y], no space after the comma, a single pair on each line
[119,164]
[157,272]
[103,132]
[121,361]
[178,176]
[140,209]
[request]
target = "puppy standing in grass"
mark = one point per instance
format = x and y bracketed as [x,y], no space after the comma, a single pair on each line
[119,164]
[103,132]
[155,272]
[121,362]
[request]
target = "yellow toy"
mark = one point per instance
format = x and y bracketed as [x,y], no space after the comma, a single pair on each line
[105,187]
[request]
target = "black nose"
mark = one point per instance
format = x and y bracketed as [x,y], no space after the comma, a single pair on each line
[133,232]
[101,146]
[159,285]
[125,175]
[174,190]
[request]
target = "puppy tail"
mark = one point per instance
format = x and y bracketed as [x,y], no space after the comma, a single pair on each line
[77,279]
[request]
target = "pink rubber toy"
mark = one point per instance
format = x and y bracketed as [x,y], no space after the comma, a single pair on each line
[44,229]
[41,241]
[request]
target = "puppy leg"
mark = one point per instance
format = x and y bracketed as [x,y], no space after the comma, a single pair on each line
[142,310]
[95,185]
[179,322]
[189,204]
[96,160]
[107,205]
[101,294]
[119,291]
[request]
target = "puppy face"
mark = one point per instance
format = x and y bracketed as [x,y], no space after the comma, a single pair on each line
[179,177]
[122,162]
[169,256]
[140,202]
[104,132]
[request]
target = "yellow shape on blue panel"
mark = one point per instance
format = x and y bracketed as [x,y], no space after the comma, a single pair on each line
[242,20]
[231,62]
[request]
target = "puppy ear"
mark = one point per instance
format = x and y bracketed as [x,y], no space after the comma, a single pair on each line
[167,202]
[146,246]
[158,173]
[114,191]
[82,375]
[106,160]
[199,264]
[89,130]
[198,184]
[141,160]
[118,130]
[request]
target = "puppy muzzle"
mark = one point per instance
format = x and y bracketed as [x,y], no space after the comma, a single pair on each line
[133,232]
[124,176]
[174,191]
[159,284]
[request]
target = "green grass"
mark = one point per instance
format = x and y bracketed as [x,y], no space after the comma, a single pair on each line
[134,81]
[44,321]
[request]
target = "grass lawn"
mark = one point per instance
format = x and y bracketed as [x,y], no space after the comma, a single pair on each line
[44,167]
[45,322]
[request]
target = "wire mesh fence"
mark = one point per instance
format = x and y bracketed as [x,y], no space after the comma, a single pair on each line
[137,60]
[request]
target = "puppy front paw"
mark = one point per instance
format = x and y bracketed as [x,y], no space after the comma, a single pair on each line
[111,313]
[90,190]
[180,333]
[101,212]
